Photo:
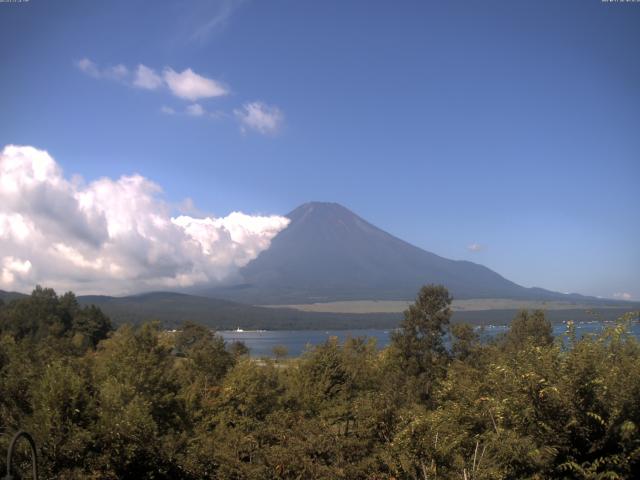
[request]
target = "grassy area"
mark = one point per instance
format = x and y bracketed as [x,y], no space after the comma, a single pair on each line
[470,305]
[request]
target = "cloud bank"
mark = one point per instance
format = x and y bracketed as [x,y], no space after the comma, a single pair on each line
[111,236]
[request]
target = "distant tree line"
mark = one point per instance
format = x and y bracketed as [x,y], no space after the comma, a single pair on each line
[140,402]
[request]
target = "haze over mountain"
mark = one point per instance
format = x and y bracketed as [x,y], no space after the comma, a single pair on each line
[329,253]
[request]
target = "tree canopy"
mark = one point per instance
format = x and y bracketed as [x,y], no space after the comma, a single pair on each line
[437,403]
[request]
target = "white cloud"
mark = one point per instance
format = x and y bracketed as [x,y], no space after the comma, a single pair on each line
[191,86]
[111,236]
[622,295]
[186,85]
[260,117]
[88,67]
[475,247]
[253,233]
[119,72]
[195,110]
[13,268]
[147,78]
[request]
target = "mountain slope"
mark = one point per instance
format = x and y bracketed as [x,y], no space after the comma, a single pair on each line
[6,297]
[328,253]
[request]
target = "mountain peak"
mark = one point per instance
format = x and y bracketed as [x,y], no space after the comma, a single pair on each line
[319,208]
[322,217]
[318,204]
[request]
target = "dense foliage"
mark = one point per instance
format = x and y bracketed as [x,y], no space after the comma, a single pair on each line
[139,402]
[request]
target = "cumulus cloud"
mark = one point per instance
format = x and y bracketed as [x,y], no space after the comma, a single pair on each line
[88,67]
[622,295]
[14,267]
[259,117]
[147,78]
[475,247]
[191,86]
[111,236]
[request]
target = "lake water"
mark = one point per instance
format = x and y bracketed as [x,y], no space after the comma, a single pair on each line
[261,342]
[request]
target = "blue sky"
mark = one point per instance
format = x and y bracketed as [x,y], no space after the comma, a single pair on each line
[513,127]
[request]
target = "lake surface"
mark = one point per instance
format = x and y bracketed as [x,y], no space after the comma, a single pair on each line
[261,342]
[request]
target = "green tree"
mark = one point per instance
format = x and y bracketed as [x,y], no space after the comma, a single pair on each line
[465,342]
[418,345]
[90,325]
[141,420]
[37,316]
[63,419]
[529,329]
[202,364]
[44,315]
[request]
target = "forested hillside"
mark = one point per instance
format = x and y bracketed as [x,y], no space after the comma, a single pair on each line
[172,309]
[139,402]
